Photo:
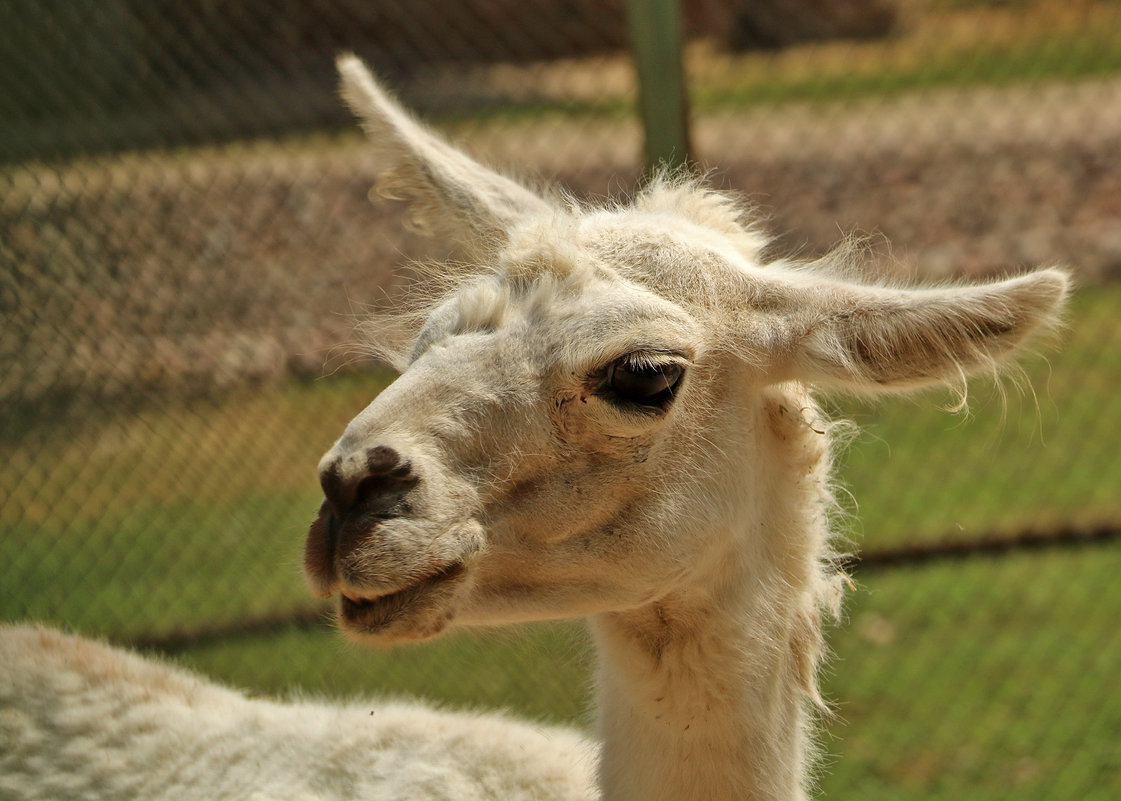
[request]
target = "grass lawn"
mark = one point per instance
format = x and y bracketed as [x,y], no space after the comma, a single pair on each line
[987,678]
[180,515]
[541,672]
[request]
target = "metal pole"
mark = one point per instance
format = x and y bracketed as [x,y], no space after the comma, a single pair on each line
[656,34]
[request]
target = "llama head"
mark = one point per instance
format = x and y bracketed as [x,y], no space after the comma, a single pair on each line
[608,406]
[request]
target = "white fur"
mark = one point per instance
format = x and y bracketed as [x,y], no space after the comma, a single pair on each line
[504,478]
[80,720]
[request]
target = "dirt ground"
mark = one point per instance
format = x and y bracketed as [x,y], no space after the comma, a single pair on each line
[202,269]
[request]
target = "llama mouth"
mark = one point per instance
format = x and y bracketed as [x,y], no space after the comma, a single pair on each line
[374,614]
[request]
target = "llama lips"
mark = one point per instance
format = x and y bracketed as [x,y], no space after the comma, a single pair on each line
[372,614]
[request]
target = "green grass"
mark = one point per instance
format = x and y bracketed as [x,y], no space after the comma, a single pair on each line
[989,678]
[540,672]
[179,515]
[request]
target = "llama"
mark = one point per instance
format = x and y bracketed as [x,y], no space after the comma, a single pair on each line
[602,413]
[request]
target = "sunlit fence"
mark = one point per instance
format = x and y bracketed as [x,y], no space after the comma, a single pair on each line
[186,243]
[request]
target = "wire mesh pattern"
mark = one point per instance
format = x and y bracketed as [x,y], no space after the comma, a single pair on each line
[186,242]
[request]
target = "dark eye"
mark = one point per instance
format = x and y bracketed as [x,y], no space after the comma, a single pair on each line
[646,385]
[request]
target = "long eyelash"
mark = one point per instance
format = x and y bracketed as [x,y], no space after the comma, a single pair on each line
[654,360]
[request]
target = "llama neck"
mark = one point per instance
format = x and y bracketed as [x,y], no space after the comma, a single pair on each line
[703,694]
[698,706]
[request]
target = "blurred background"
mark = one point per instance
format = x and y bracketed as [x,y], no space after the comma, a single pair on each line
[186,245]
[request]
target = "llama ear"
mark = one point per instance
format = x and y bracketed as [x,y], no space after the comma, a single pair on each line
[448,189]
[878,339]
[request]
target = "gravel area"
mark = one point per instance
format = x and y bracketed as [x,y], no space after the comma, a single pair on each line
[202,269]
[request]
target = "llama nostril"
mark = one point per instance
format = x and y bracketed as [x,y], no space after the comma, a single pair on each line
[366,489]
[379,482]
[388,478]
[381,460]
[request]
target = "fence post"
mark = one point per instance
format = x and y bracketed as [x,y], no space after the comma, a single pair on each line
[656,34]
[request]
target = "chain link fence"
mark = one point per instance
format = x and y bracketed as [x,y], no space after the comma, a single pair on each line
[186,244]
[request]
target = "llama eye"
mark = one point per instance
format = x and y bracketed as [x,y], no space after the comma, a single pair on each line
[646,385]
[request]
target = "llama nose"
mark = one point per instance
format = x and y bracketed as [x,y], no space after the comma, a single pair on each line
[371,481]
